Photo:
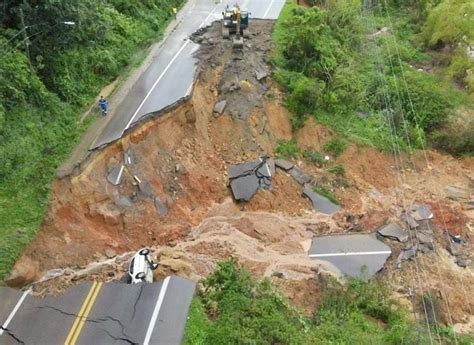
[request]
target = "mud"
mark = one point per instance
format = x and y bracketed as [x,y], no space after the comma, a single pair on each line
[174,195]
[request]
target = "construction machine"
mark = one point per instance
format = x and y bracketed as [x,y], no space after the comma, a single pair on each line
[235,21]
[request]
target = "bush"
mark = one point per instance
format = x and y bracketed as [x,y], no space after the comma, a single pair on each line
[449,22]
[241,310]
[245,311]
[331,73]
[461,68]
[288,149]
[456,137]
[336,146]
[313,157]
[337,169]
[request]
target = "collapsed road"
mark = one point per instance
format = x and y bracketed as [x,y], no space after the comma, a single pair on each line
[355,255]
[158,87]
[97,313]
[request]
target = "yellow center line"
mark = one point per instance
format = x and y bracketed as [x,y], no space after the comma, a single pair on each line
[83,313]
[86,314]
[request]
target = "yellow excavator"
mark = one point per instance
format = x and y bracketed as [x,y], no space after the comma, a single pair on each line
[235,21]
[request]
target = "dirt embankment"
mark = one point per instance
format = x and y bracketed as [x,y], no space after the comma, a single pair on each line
[173,194]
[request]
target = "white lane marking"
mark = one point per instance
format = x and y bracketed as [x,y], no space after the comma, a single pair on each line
[163,73]
[12,314]
[349,254]
[119,174]
[156,83]
[268,9]
[156,311]
[210,14]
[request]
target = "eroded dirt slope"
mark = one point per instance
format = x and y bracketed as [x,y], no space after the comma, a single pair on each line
[173,194]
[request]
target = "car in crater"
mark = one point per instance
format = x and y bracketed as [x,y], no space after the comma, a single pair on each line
[141,267]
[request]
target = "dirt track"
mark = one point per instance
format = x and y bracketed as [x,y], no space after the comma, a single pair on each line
[182,159]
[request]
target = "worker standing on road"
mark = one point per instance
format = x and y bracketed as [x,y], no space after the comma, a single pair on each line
[104,105]
[175,12]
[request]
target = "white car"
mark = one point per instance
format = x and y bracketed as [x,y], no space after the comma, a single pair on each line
[141,267]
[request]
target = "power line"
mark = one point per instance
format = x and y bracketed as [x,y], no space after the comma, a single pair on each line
[399,163]
[426,160]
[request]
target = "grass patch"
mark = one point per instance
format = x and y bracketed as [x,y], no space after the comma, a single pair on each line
[314,157]
[234,308]
[336,146]
[288,149]
[198,326]
[337,169]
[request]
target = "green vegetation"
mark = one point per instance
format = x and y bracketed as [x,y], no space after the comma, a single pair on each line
[337,169]
[313,157]
[364,86]
[233,308]
[288,149]
[450,24]
[43,97]
[336,146]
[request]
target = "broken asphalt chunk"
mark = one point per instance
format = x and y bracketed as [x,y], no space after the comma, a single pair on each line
[246,178]
[244,188]
[219,107]
[461,263]
[271,166]
[299,175]
[123,202]
[412,224]
[406,254]
[128,158]
[160,207]
[356,255]
[421,212]
[146,189]
[261,74]
[456,193]
[424,238]
[115,175]
[284,164]
[320,203]
[394,231]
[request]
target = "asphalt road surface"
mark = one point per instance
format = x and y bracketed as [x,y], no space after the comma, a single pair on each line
[170,76]
[96,313]
[351,253]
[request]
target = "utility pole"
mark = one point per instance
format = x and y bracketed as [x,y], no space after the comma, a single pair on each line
[25,35]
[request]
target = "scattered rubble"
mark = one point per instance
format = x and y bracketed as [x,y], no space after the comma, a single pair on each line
[394,231]
[300,176]
[284,164]
[456,193]
[115,175]
[219,107]
[160,206]
[247,178]
[421,212]
[406,254]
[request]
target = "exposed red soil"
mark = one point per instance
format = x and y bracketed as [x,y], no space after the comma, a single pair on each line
[184,156]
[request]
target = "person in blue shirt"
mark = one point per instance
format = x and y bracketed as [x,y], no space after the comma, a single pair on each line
[104,105]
